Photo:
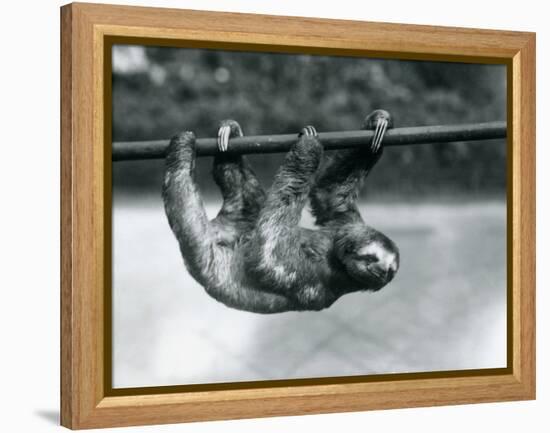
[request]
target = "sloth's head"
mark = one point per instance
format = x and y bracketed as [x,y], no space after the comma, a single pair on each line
[370,257]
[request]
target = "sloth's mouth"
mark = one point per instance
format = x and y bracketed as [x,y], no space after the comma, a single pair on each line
[378,275]
[371,280]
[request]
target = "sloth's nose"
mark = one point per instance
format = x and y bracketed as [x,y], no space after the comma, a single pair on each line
[386,265]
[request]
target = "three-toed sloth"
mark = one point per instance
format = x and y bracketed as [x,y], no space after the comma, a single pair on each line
[254,256]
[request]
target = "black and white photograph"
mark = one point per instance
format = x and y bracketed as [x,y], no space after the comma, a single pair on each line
[285,216]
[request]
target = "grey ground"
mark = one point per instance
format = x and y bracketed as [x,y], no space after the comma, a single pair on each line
[445,310]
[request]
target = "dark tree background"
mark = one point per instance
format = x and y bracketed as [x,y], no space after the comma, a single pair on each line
[159,91]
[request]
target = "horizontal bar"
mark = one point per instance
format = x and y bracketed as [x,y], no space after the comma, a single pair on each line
[133,150]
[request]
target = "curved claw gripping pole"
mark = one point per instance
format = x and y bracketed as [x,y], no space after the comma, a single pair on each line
[223,138]
[227,130]
[308,131]
[381,126]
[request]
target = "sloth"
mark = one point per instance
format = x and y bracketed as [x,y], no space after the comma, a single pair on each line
[254,256]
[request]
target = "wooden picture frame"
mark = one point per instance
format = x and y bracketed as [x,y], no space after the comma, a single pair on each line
[87,33]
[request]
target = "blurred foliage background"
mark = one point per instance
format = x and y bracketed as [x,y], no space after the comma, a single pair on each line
[158,91]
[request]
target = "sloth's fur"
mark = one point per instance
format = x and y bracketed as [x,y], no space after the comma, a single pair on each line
[254,256]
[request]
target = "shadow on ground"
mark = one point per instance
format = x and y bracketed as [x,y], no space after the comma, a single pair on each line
[49,415]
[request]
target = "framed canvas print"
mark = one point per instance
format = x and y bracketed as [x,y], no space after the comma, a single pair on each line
[270,216]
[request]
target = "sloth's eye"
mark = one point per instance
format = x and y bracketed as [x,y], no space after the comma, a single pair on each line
[369,258]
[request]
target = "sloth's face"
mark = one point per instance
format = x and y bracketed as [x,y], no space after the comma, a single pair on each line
[370,258]
[374,263]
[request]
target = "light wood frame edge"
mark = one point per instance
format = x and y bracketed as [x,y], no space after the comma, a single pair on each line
[83,401]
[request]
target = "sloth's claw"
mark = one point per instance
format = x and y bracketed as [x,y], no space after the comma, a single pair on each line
[381,126]
[223,138]
[308,131]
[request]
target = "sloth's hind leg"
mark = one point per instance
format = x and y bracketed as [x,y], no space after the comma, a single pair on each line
[185,210]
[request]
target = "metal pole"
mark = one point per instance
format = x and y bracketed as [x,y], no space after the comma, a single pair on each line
[133,150]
